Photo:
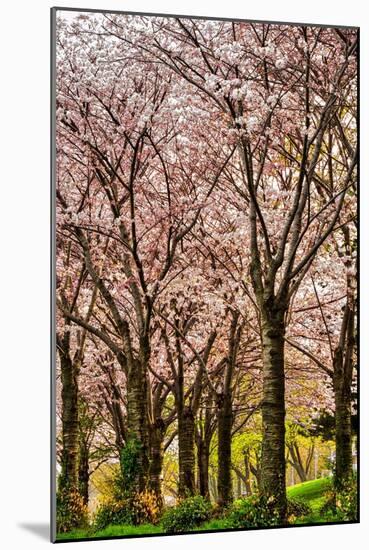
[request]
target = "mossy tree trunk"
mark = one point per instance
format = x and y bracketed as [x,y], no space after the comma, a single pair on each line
[342,381]
[156,437]
[204,433]
[225,422]
[137,422]
[273,463]
[343,367]
[225,415]
[203,454]
[186,455]
[84,474]
[68,478]
[246,460]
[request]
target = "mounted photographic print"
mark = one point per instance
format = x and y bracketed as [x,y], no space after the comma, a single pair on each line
[205,361]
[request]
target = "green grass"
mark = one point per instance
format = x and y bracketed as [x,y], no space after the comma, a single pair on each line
[112,531]
[212,525]
[132,530]
[311,492]
[314,494]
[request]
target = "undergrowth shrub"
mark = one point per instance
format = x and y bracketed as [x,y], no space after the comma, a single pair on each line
[259,511]
[253,511]
[113,512]
[341,504]
[146,508]
[71,512]
[189,513]
[297,508]
[136,509]
[346,501]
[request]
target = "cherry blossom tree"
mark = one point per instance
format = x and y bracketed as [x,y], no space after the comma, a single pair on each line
[206,201]
[284,103]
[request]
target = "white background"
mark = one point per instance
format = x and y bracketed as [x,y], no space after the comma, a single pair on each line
[24,271]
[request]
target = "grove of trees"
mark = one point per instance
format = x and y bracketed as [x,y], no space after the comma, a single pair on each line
[206,182]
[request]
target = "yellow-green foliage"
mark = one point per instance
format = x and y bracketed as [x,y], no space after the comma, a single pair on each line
[103,480]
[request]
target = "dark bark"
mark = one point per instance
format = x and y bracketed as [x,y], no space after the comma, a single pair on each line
[114,402]
[70,421]
[256,472]
[343,437]
[203,453]
[137,421]
[157,432]
[342,381]
[204,434]
[186,444]
[225,416]
[273,464]
[225,421]
[342,398]
[83,474]
[186,433]
[246,457]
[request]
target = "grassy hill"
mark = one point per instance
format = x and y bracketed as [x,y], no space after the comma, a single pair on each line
[313,493]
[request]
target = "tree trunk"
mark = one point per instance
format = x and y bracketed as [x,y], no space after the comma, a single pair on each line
[300,471]
[137,420]
[186,444]
[273,463]
[70,426]
[225,416]
[246,456]
[203,452]
[239,487]
[343,372]
[157,431]
[203,439]
[225,421]
[83,474]
[342,397]
[213,488]
[256,472]
[296,462]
